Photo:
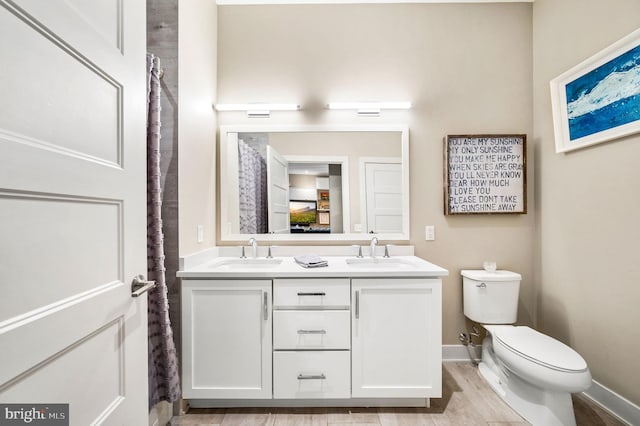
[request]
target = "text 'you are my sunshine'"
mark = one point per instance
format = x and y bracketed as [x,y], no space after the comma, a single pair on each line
[486,174]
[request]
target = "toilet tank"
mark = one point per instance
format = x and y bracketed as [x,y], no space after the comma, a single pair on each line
[491,297]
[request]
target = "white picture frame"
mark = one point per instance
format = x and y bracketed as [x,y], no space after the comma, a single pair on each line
[598,100]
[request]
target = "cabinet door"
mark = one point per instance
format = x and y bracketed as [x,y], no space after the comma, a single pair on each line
[226,339]
[396,338]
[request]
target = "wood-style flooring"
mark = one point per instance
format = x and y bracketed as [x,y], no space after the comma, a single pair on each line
[467,400]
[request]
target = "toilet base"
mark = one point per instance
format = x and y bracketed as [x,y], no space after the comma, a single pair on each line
[538,406]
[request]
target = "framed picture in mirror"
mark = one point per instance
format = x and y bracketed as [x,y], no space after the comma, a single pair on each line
[323,218]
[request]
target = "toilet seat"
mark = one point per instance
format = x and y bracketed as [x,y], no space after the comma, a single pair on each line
[539,348]
[539,359]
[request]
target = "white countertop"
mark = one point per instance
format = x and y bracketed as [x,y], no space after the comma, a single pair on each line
[338,266]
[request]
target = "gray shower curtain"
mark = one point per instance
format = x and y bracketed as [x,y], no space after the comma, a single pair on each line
[164,382]
[252,181]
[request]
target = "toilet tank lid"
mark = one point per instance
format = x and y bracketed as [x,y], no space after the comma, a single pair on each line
[482,275]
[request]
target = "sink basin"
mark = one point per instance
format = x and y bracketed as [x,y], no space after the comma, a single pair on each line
[244,264]
[379,262]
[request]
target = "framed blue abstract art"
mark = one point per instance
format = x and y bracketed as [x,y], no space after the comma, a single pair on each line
[599,99]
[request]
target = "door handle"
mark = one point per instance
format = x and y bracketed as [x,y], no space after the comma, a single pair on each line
[140,286]
[357,304]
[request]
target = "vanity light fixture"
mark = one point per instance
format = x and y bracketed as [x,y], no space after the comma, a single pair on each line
[369,109]
[257,110]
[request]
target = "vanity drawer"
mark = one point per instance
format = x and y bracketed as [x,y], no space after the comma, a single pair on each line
[321,329]
[311,374]
[312,293]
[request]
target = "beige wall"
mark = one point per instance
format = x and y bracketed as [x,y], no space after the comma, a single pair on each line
[587,203]
[467,68]
[197,122]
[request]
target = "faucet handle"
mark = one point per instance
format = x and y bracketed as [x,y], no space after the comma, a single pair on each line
[359,250]
[269,255]
[386,250]
[243,255]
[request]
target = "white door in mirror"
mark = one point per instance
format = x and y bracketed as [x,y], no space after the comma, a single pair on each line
[383,182]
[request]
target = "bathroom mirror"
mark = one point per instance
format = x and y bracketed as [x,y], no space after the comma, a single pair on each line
[314,183]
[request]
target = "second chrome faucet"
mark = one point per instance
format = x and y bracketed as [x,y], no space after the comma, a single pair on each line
[372,247]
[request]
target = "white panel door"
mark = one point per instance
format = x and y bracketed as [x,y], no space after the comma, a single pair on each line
[226,339]
[383,182]
[73,207]
[396,338]
[278,193]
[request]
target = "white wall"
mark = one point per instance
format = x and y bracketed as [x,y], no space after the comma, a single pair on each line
[587,201]
[197,44]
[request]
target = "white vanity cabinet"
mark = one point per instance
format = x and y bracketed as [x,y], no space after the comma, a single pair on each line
[269,333]
[312,339]
[396,338]
[227,348]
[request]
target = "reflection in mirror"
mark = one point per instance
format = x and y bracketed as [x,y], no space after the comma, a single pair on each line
[311,183]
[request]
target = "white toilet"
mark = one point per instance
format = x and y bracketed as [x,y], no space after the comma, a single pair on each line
[534,373]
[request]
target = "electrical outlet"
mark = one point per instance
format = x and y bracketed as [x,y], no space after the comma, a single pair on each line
[200,233]
[430,232]
[357,227]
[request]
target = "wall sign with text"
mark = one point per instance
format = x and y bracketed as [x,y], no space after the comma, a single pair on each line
[485,174]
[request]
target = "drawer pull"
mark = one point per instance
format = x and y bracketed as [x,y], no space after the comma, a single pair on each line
[312,331]
[312,294]
[311,377]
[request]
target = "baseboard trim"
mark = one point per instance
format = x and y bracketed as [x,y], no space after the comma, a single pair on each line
[617,405]
[458,353]
[348,402]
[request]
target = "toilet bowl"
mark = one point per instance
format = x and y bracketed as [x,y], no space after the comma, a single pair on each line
[540,359]
[534,373]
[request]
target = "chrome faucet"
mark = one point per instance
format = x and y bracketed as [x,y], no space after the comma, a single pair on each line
[254,247]
[372,247]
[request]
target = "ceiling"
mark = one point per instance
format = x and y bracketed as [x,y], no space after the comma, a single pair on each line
[313,169]
[238,2]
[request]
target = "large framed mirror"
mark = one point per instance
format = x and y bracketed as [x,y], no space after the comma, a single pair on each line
[314,183]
